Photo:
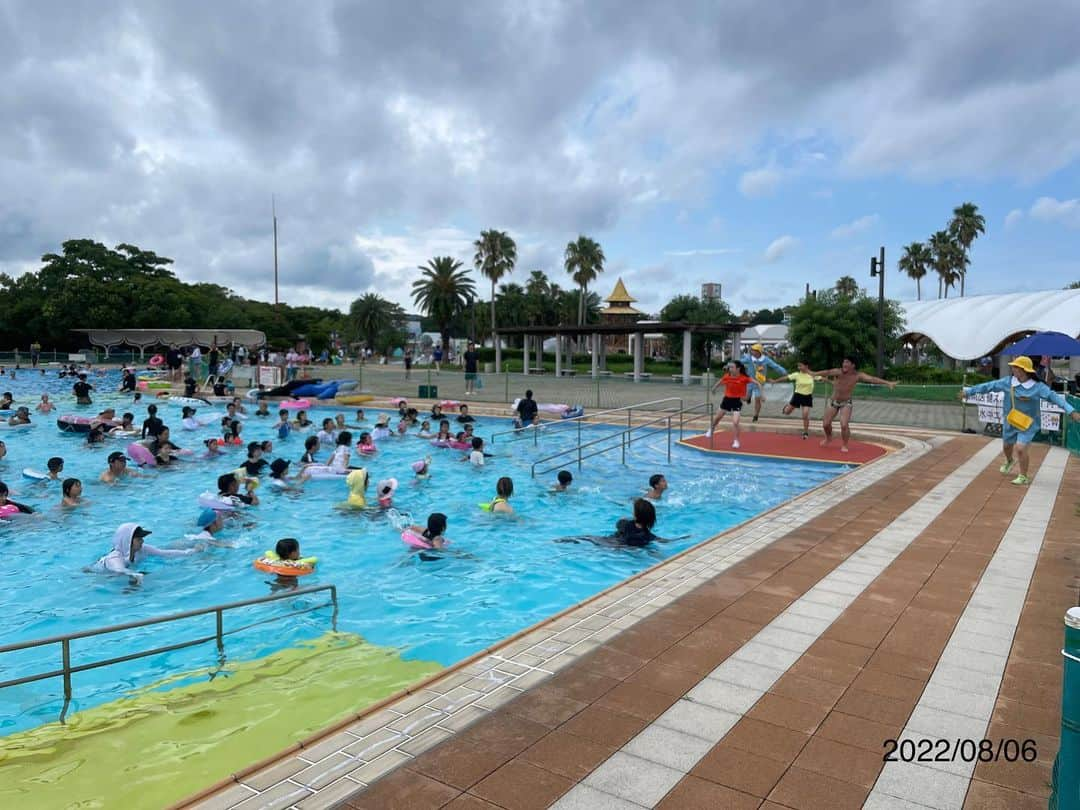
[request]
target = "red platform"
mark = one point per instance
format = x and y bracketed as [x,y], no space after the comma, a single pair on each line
[787,445]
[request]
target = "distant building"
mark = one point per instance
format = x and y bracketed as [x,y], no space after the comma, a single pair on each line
[619,311]
[710,293]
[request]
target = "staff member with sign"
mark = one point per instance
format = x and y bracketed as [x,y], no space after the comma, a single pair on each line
[1024,393]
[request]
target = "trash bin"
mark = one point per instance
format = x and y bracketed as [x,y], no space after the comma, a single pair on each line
[489,368]
[428,392]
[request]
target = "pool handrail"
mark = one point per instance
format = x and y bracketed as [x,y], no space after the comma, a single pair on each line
[578,420]
[65,639]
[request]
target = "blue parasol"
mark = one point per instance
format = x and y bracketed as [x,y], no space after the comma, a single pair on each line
[1051,344]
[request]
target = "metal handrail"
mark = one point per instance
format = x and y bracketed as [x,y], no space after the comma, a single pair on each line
[625,439]
[65,639]
[579,419]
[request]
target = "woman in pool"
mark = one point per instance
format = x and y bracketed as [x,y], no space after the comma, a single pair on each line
[163,450]
[72,493]
[5,501]
[302,422]
[45,406]
[263,409]
[504,488]
[328,435]
[229,488]
[637,531]
[129,549]
[280,479]
[339,422]
[152,425]
[213,448]
[311,447]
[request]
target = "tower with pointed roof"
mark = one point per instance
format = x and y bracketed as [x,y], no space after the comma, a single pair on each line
[619,310]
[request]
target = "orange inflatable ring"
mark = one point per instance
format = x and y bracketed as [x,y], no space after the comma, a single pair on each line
[272,564]
[157,360]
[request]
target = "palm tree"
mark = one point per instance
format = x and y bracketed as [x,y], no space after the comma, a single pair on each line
[538,297]
[847,287]
[914,264]
[584,261]
[966,225]
[372,316]
[495,257]
[442,292]
[947,260]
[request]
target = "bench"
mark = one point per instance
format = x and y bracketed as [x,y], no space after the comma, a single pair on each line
[536,371]
[678,378]
[568,372]
[643,375]
[76,358]
[603,373]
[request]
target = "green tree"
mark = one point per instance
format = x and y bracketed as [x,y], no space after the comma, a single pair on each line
[847,287]
[496,255]
[915,262]
[691,309]
[964,227]
[1074,286]
[371,317]
[443,292]
[826,326]
[947,260]
[584,260]
[514,304]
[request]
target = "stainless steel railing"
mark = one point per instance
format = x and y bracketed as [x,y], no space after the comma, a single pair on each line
[550,427]
[67,669]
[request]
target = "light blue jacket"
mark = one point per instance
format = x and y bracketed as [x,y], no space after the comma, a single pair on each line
[1027,399]
[759,366]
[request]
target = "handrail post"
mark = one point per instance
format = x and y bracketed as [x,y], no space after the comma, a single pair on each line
[669,439]
[65,648]
[220,631]
[333,598]
[623,445]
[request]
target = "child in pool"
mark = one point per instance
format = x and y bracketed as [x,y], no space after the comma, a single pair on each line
[213,448]
[476,456]
[55,466]
[263,409]
[434,532]
[339,422]
[504,488]
[20,417]
[282,426]
[152,425]
[382,427]
[637,531]
[328,435]
[384,492]
[311,446]
[565,478]
[126,426]
[366,444]
[45,406]
[72,493]
[279,476]
[444,431]
[360,418]
[302,422]
[425,430]
[232,433]
[288,549]
[4,500]
[422,468]
[657,486]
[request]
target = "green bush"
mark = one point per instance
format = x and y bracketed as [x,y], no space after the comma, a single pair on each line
[931,375]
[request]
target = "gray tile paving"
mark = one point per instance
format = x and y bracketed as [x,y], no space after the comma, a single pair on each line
[634,779]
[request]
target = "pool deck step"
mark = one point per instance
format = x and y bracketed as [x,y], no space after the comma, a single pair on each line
[766,670]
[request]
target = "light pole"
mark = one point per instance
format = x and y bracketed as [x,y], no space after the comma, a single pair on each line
[877,268]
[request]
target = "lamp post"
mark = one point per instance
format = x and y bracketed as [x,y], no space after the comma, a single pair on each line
[877,268]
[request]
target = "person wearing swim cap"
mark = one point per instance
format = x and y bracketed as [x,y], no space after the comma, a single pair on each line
[210,523]
[357,482]
[759,365]
[385,490]
[422,468]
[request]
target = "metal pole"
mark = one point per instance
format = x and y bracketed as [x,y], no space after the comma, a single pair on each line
[877,268]
[220,632]
[623,445]
[669,440]
[273,209]
[65,647]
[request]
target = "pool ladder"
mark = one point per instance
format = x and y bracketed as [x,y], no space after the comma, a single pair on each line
[614,441]
[67,669]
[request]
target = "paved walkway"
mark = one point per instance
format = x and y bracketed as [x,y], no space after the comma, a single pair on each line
[917,598]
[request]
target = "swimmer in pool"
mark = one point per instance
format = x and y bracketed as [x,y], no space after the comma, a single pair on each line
[95,436]
[72,493]
[444,432]
[6,401]
[339,422]
[360,418]
[20,417]
[130,549]
[357,482]
[425,430]
[263,409]
[5,500]
[282,426]
[229,487]
[210,523]
[126,426]
[213,448]
[118,469]
[280,479]
[637,531]
[311,447]
[288,548]
[504,488]
[564,480]
[384,492]
[476,455]
[55,466]
[302,422]
[328,435]
[45,406]
[657,486]
[422,468]
[152,425]
[366,443]
[434,532]
[3,449]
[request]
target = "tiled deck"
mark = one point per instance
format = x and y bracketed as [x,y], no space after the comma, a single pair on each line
[764,669]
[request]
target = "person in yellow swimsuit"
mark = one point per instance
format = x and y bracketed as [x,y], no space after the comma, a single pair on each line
[803,397]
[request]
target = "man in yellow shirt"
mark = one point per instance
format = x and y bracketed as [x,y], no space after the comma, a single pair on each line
[804,394]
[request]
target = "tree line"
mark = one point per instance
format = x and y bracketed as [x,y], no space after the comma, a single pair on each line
[947,252]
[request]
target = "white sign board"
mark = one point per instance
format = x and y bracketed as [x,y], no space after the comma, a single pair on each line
[992,410]
[270,376]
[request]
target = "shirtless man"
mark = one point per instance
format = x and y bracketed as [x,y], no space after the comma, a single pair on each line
[117,469]
[844,380]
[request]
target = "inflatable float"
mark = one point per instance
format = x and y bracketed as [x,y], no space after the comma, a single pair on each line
[141,455]
[72,423]
[353,399]
[271,563]
[191,402]
[295,404]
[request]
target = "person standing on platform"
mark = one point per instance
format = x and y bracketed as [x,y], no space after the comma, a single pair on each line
[843,380]
[758,364]
[472,359]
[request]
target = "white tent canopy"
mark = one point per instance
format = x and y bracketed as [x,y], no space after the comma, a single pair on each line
[978,325]
[144,339]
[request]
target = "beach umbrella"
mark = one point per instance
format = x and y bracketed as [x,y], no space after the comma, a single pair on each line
[1051,344]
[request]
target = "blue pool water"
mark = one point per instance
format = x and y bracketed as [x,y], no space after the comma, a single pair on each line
[510,574]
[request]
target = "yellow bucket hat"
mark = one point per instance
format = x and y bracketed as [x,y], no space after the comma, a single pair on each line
[758,347]
[1024,363]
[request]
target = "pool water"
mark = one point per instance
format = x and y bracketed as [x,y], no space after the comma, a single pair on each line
[506,573]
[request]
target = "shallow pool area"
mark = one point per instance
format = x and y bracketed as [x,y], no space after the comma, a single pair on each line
[411,616]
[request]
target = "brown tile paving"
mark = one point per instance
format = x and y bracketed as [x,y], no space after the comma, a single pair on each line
[567,754]
[896,687]
[788,713]
[740,770]
[467,802]
[402,789]
[519,785]
[699,794]
[860,732]
[640,673]
[1028,719]
[844,762]
[985,796]
[800,789]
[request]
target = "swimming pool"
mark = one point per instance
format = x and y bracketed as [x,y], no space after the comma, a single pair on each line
[417,616]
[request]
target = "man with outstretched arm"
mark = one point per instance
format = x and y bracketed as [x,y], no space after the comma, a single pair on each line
[843,380]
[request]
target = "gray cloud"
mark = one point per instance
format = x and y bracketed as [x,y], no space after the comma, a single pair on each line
[394,130]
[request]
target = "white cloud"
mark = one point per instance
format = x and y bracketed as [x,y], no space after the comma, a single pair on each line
[1048,209]
[1013,217]
[760,182]
[857,226]
[780,247]
[702,252]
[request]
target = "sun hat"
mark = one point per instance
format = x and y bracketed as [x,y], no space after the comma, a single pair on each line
[206,517]
[384,419]
[418,466]
[1024,363]
[390,484]
[757,347]
[140,532]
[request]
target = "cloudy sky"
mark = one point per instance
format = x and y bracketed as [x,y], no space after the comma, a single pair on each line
[760,145]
